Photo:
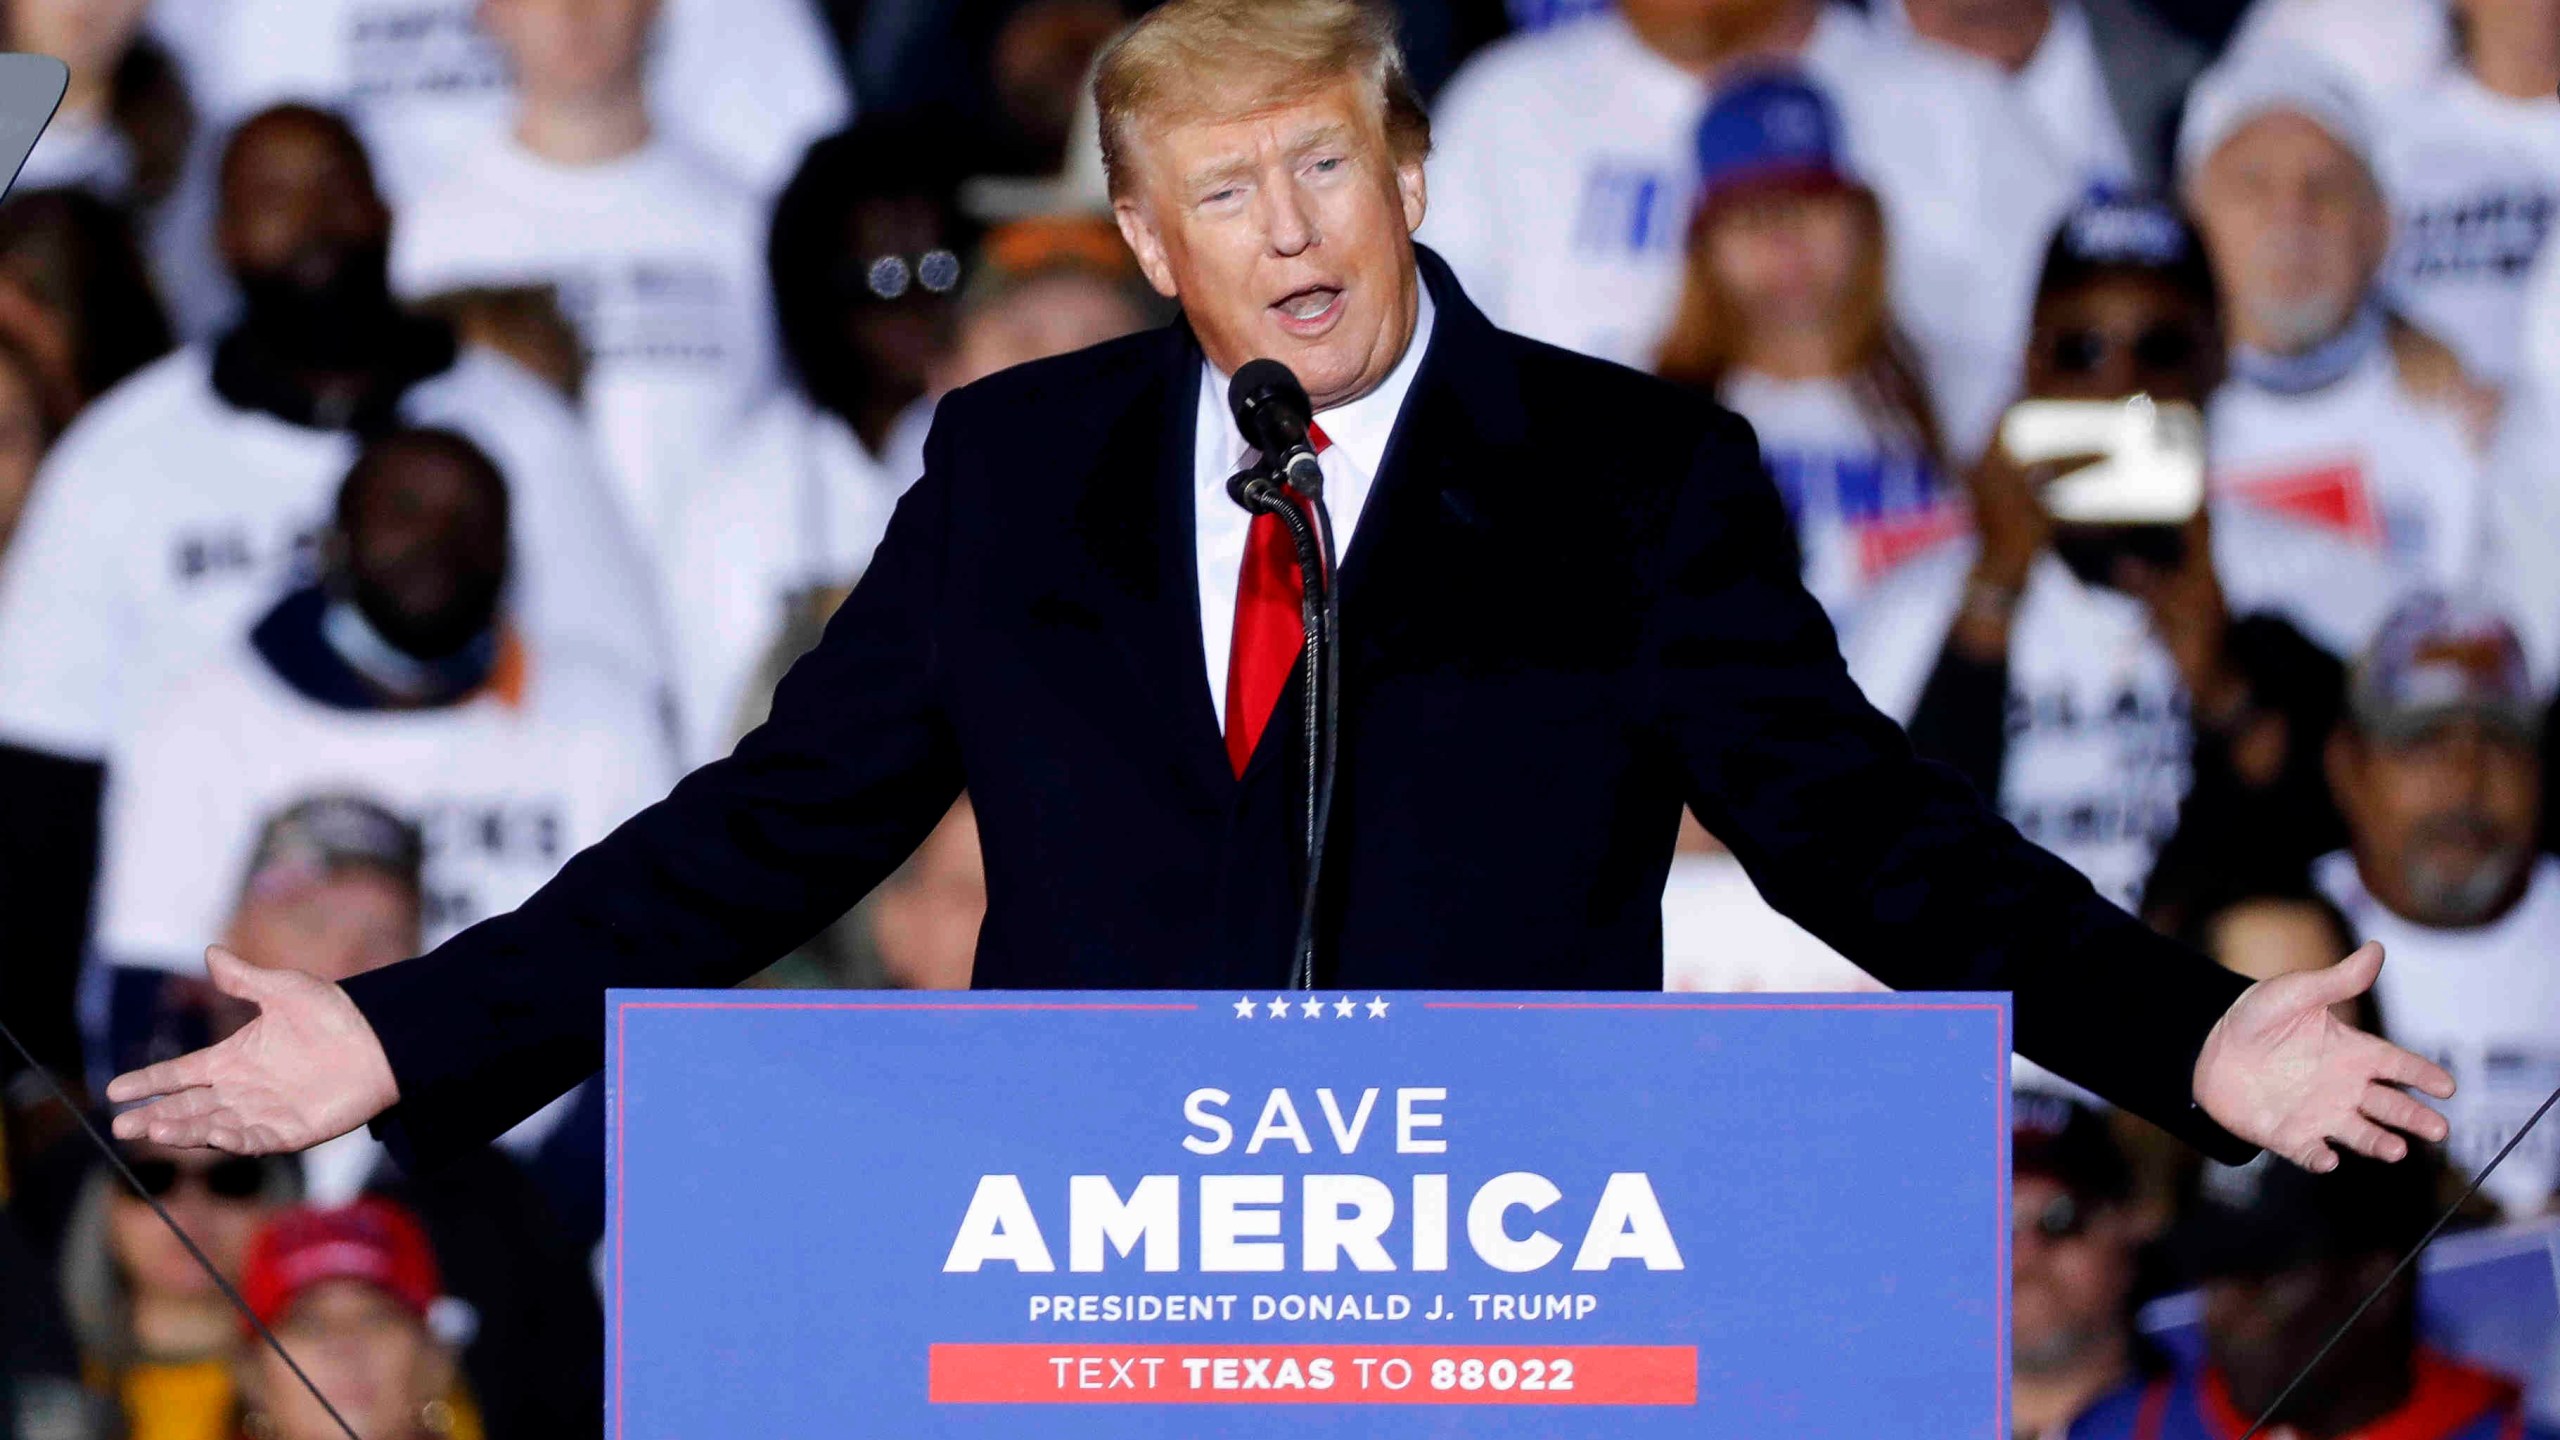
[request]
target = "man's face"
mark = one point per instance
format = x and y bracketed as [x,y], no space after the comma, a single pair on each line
[2122,335]
[2442,823]
[2004,32]
[426,550]
[1286,233]
[2071,1263]
[304,232]
[2295,229]
[571,48]
[1699,33]
[334,926]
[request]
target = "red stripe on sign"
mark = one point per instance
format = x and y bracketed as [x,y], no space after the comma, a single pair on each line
[1313,1375]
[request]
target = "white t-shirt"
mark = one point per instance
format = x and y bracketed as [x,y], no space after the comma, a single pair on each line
[2386,47]
[2098,749]
[2485,1004]
[2062,86]
[1863,500]
[793,503]
[2474,183]
[658,259]
[502,792]
[749,82]
[1564,171]
[166,521]
[2361,458]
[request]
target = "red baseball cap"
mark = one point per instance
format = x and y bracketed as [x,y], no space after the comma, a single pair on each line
[372,1240]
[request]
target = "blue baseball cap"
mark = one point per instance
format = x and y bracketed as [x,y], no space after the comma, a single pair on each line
[1773,128]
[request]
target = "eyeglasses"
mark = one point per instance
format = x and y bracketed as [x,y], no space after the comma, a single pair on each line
[889,277]
[234,1177]
[2159,348]
[2058,1219]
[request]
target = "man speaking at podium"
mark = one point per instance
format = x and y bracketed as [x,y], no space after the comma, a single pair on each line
[1569,605]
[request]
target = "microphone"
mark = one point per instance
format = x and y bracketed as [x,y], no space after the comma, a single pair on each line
[1272,410]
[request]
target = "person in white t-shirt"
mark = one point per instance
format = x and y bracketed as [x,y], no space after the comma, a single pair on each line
[181,503]
[396,672]
[2470,162]
[1562,180]
[1782,318]
[788,517]
[2087,677]
[2103,78]
[2439,776]
[655,254]
[747,82]
[2334,413]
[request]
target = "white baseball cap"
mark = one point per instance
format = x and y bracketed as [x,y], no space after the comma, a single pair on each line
[2264,80]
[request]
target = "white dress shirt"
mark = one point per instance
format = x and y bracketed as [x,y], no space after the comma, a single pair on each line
[1359,433]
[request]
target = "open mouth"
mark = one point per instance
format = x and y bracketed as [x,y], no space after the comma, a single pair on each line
[1308,311]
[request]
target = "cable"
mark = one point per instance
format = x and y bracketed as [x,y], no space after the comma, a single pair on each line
[106,1148]
[2265,1418]
[1310,530]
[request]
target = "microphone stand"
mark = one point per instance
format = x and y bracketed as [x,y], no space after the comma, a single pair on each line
[1310,528]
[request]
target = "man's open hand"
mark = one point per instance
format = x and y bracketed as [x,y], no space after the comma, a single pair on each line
[2281,1071]
[307,1069]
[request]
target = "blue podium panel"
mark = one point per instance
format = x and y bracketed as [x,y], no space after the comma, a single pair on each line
[1178,1214]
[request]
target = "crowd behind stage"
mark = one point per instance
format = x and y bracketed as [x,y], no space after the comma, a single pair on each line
[429,426]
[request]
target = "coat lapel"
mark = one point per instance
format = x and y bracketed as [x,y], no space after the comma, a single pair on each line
[1139,532]
[1444,481]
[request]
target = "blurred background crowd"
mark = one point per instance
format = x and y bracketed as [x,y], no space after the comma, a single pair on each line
[429,426]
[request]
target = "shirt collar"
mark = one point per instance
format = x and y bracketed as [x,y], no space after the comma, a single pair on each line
[1359,429]
[2319,367]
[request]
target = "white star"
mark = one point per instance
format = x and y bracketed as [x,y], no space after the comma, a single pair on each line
[1280,1008]
[1377,1007]
[1313,1009]
[1343,1007]
[1244,1009]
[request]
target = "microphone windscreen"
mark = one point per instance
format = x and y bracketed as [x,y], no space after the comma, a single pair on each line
[1269,404]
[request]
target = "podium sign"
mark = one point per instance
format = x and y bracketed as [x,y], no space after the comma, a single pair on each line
[1178,1214]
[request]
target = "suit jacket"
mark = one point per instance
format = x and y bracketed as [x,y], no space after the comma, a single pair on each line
[1569,607]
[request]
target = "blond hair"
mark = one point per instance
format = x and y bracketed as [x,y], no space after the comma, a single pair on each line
[1191,58]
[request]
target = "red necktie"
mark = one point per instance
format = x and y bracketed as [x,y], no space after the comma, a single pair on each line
[1269,630]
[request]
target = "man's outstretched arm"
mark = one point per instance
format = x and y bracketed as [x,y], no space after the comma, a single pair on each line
[747,857]
[1902,867]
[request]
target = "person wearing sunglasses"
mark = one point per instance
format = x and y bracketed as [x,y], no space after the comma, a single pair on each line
[2072,1258]
[155,1334]
[2102,674]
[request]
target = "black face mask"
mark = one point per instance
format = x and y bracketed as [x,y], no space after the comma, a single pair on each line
[331,309]
[467,611]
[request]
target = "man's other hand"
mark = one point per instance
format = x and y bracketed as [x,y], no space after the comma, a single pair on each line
[307,1069]
[2282,1071]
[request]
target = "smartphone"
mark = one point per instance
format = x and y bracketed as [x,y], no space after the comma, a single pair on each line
[2139,462]
[2131,477]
